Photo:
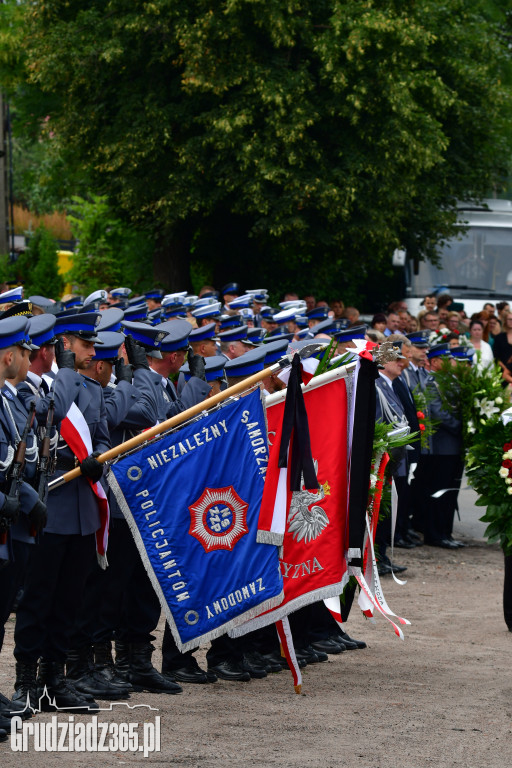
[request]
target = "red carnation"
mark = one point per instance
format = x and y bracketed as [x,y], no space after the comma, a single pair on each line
[420,414]
[422,427]
[507,463]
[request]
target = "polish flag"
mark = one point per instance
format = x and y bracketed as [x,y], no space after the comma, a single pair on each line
[75,431]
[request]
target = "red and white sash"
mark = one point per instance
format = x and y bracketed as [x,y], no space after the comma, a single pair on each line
[75,431]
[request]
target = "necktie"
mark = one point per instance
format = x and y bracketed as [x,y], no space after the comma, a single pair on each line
[171,390]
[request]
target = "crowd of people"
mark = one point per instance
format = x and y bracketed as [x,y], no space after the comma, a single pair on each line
[122,363]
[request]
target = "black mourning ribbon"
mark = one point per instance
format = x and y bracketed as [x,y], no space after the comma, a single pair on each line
[296,432]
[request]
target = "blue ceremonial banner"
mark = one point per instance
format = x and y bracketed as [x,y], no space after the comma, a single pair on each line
[192,500]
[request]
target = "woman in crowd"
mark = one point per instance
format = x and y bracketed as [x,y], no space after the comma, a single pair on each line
[494,327]
[502,348]
[379,322]
[483,356]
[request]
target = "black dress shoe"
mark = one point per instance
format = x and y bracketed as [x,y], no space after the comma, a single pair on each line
[268,664]
[5,723]
[9,708]
[328,646]
[254,665]
[398,568]
[459,544]
[383,569]
[414,537]
[348,645]
[310,655]
[3,735]
[271,662]
[351,642]
[230,670]
[442,543]
[404,544]
[276,658]
[186,675]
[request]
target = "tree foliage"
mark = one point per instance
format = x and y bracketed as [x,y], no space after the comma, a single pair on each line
[294,143]
[37,267]
[109,251]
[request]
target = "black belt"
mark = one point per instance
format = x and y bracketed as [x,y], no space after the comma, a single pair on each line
[65,463]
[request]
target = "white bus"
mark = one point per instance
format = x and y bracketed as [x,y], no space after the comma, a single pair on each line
[475,267]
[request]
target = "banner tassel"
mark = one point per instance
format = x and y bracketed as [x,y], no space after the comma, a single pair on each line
[288,651]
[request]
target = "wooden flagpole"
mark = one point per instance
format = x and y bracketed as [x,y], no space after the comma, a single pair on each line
[174,421]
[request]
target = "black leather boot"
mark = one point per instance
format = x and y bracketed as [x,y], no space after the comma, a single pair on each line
[143,675]
[9,708]
[58,693]
[123,655]
[80,671]
[104,665]
[25,695]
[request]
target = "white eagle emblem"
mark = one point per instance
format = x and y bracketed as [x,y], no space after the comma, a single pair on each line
[303,522]
[218,519]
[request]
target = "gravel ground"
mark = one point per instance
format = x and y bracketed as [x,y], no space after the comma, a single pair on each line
[441,698]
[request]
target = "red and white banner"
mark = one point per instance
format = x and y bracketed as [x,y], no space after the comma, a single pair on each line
[75,431]
[313,524]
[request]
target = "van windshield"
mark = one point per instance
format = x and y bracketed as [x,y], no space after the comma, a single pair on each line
[481,260]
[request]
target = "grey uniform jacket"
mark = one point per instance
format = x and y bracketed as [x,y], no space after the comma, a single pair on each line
[130,408]
[20,531]
[72,508]
[447,439]
[414,378]
[169,403]
[28,496]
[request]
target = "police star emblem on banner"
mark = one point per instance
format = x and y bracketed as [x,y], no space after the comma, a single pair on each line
[218,518]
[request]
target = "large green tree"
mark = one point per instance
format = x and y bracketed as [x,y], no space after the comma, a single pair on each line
[293,142]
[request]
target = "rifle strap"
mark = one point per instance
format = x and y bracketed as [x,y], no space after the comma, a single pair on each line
[30,453]
[4,465]
[15,435]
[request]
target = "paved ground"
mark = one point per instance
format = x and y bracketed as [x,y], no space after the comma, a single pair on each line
[441,698]
[469,524]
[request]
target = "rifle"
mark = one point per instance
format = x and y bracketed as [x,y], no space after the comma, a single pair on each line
[15,477]
[44,468]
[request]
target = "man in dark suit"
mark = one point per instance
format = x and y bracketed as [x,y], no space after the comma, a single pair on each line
[59,567]
[415,376]
[405,538]
[390,410]
[442,461]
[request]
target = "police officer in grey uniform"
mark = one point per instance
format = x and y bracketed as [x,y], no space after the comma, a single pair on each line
[165,346]
[20,518]
[60,565]
[120,603]
[174,348]
[442,460]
